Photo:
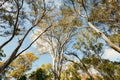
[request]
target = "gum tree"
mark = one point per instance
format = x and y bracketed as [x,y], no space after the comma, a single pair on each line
[14,18]
[99,14]
[57,39]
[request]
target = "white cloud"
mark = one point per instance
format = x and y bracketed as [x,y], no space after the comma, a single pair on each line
[111,55]
[42,44]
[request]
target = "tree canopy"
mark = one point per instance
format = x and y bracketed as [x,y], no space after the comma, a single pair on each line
[75,33]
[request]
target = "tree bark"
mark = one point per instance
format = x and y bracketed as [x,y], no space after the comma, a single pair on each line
[113,46]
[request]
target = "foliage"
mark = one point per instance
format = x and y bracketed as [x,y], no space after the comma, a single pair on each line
[107,12]
[1,63]
[106,68]
[18,19]
[42,73]
[9,18]
[73,71]
[2,54]
[56,39]
[19,66]
[115,38]
[88,43]
[60,30]
[23,78]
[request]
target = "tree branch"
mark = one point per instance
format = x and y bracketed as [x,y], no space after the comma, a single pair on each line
[13,55]
[3,3]
[113,46]
[83,64]
[33,41]
[14,31]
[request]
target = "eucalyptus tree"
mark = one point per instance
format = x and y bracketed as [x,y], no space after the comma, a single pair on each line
[18,19]
[58,38]
[60,25]
[103,14]
[20,65]
[42,73]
